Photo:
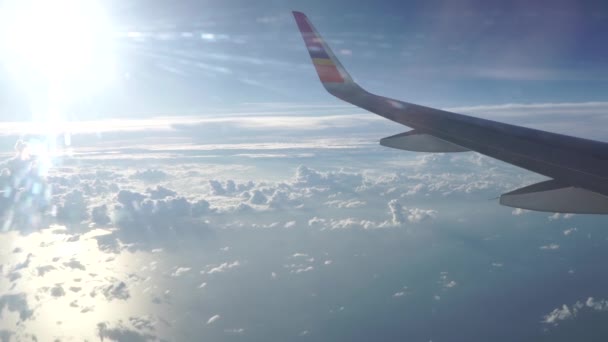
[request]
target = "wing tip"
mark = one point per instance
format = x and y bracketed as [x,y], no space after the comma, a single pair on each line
[303,22]
[328,67]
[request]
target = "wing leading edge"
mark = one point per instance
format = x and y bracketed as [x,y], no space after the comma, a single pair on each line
[575,163]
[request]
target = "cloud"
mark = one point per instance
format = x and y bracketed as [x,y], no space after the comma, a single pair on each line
[566,312]
[160,192]
[299,255]
[23,265]
[117,290]
[558,216]
[213,319]
[42,270]
[552,246]
[396,192]
[257,197]
[180,270]
[6,335]
[73,207]
[221,268]
[235,331]
[120,333]
[558,314]
[150,176]
[75,264]
[16,303]
[397,217]
[353,203]
[143,322]
[144,220]
[445,282]
[57,291]
[26,194]
[302,269]
[519,211]
[100,215]
[416,215]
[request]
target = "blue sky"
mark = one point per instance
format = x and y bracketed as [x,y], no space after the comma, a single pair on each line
[435,53]
[189,179]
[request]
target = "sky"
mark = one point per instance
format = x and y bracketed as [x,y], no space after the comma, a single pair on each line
[174,171]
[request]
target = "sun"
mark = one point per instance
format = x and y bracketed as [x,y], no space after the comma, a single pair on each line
[58,53]
[56,50]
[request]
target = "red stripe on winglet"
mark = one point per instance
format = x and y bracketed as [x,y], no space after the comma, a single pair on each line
[329,74]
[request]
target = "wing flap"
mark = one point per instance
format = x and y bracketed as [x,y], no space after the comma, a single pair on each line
[552,196]
[420,142]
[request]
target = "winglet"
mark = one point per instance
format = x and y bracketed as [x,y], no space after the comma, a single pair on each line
[328,67]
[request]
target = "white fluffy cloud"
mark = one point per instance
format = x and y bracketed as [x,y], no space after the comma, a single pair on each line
[172,215]
[16,303]
[566,312]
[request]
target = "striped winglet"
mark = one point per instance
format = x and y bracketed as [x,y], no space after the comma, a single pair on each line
[328,67]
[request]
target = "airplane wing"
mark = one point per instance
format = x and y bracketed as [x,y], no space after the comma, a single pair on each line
[578,167]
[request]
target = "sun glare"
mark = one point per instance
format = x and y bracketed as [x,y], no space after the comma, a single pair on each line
[60,48]
[57,52]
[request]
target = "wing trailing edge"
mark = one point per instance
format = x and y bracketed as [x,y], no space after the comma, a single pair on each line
[552,196]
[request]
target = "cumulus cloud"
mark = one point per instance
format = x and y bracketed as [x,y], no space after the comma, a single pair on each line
[120,333]
[100,215]
[6,335]
[117,290]
[229,187]
[16,303]
[194,198]
[72,208]
[57,291]
[416,215]
[74,264]
[566,312]
[142,219]
[257,197]
[150,176]
[160,192]
[306,177]
[397,217]
[42,270]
